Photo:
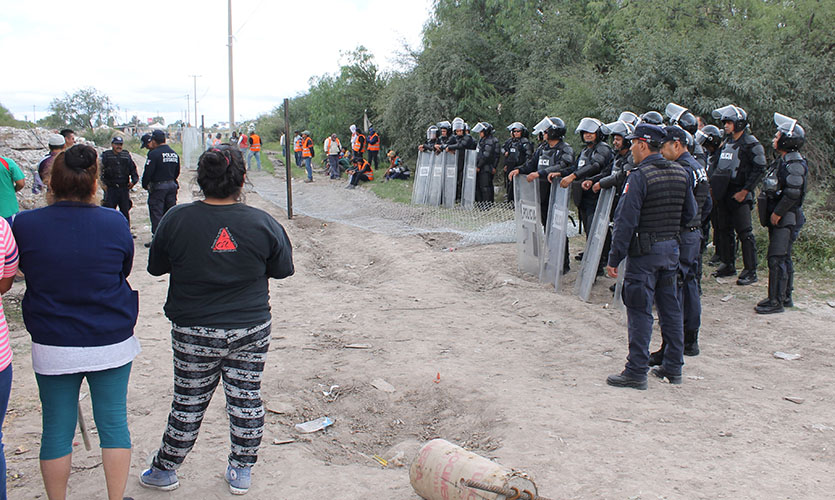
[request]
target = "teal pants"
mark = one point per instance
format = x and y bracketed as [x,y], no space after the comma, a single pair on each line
[59,402]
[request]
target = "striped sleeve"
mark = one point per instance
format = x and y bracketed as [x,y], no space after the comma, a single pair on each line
[9,249]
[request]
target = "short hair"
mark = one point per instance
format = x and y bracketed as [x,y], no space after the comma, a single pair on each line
[73,174]
[220,172]
[67,132]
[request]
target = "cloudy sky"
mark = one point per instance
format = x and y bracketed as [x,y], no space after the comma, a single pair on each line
[142,57]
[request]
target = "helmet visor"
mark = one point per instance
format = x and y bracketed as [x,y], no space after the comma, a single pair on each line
[674,111]
[543,125]
[628,117]
[478,127]
[516,125]
[615,128]
[458,124]
[590,125]
[785,124]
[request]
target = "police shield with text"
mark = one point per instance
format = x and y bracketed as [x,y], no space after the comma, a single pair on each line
[780,209]
[739,169]
[656,202]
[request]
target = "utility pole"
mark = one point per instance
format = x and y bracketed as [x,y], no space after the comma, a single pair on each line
[195,98]
[188,111]
[231,86]
[34,119]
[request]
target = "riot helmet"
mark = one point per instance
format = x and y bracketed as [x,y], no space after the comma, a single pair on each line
[591,126]
[431,133]
[629,117]
[458,124]
[618,127]
[483,126]
[516,126]
[709,135]
[681,116]
[653,117]
[792,135]
[733,114]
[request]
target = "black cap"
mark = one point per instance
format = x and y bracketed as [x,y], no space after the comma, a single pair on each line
[145,140]
[117,140]
[158,135]
[647,132]
[674,133]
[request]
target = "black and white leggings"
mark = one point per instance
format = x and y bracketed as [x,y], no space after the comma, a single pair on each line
[201,356]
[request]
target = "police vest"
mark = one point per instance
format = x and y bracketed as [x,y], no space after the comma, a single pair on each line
[666,189]
[376,145]
[516,152]
[790,172]
[307,147]
[115,169]
[701,189]
[548,157]
[256,142]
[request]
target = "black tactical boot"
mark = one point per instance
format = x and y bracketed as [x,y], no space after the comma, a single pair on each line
[776,288]
[624,380]
[662,374]
[715,260]
[724,270]
[747,277]
[657,357]
[691,342]
[787,301]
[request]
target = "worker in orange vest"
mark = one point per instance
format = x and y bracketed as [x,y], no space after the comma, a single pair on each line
[358,143]
[297,147]
[373,147]
[307,154]
[361,171]
[254,149]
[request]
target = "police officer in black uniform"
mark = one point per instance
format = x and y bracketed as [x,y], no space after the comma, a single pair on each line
[118,176]
[780,208]
[431,139]
[517,150]
[444,136]
[160,177]
[595,158]
[739,169]
[674,148]
[487,159]
[656,202]
[684,118]
[710,138]
[460,142]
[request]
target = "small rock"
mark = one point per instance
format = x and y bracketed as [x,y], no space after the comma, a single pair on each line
[695,377]
[358,346]
[727,298]
[794,399]
[820,427]
[382,385]
[725,434]
[756,387]
[277,441]
[830,303]
[20,450]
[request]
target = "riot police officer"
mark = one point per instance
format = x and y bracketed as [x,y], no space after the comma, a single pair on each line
[656,202]
[553,156]
[431,139]
[780,208]
[595,158]
[739,169]
[684,118]
[118,176]
[652,117]
[674,148]
[487,159]
[517,150]
[460,142]
[444,135]
[710,138]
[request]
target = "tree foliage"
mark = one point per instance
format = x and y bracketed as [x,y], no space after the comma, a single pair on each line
[7,119]
[85,108]
[507,60]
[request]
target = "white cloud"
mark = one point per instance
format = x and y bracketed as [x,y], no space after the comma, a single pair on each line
[142,57]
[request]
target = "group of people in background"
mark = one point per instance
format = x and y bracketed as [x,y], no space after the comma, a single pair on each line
[249,144]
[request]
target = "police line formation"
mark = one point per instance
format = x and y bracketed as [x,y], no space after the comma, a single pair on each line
[646,204]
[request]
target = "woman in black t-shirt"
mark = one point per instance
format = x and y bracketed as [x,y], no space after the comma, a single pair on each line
[220,254]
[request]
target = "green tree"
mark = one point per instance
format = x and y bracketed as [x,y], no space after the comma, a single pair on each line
[85,108]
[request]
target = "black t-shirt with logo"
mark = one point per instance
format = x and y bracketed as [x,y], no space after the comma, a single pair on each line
[220,258]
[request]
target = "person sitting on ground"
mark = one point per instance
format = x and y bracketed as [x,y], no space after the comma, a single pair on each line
[360,171]
[80,312]
[397,169]
[220,254]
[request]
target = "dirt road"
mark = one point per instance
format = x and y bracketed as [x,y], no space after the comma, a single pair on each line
[522,380]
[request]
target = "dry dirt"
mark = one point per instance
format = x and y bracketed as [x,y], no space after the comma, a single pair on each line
[522,380]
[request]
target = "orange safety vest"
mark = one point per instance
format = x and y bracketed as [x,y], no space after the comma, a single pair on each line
[359,147]
[307,146]
[366,169]
[256,142]
[376,145]
[328,145]
[297,145]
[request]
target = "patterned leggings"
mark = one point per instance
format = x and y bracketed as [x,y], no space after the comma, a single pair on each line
[201,356]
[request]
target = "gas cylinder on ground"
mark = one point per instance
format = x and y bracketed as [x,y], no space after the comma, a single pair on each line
[440,468]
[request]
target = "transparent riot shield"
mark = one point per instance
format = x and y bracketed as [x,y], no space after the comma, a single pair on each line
[468,184]
[420,191]
[617,300]
[594,244]
[436,181]
[529,235]
[192,148]
[556,229]
[450,177]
